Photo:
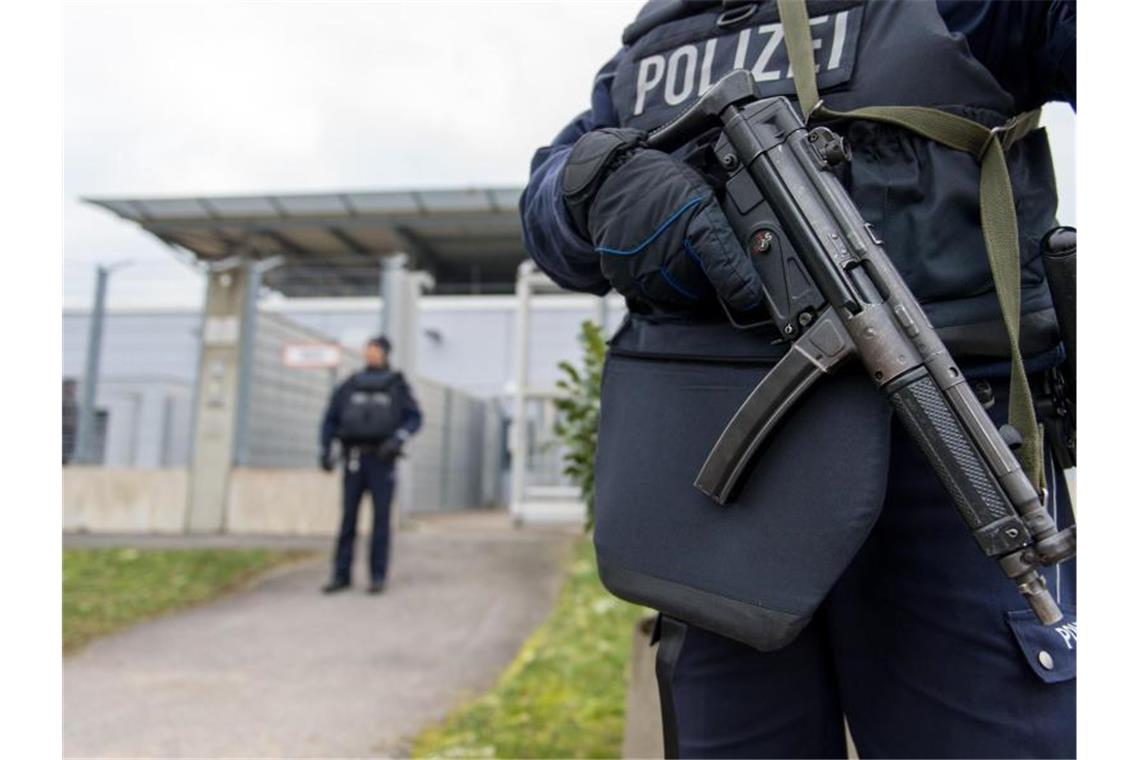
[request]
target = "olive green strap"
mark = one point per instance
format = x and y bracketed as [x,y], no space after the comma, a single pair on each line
[998,213]
[797,38]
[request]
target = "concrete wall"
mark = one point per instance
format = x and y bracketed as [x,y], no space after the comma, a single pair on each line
[261,502]
[287,502]
[106,500]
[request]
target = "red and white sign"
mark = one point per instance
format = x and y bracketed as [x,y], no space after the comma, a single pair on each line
[311,355]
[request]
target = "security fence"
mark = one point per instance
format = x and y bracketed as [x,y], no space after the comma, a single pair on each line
[145,392]
[467,352]
[285,405]
[145,401]
[459,456]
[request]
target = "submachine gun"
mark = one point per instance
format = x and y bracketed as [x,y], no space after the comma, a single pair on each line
[832,291]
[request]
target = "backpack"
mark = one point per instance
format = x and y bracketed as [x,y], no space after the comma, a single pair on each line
[372,407]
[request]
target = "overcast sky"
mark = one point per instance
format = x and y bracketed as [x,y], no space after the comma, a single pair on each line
[219,99]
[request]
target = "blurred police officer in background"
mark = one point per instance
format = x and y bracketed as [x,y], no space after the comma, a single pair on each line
[373,413]
[922,644]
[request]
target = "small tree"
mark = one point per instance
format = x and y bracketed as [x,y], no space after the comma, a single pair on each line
[577,426]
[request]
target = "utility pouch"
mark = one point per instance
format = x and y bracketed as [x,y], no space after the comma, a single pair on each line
[754,570]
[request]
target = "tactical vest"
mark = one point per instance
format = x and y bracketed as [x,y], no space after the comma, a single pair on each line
[922,197]
[757,569]
[372,408]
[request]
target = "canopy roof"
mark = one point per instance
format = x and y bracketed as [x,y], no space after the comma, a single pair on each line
[331,244]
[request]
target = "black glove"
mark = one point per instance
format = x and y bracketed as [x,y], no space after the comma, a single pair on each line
[390,449]
[327,463]
[656,224]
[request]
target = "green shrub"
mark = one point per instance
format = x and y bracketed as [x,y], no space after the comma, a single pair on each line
[577,427]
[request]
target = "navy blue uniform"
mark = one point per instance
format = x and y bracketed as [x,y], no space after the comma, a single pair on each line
[1029,47]
[922,645]
[924,649]
[364,470]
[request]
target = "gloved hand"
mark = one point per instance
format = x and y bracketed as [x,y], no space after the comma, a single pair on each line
[327,463]
[390,449]
[656,224]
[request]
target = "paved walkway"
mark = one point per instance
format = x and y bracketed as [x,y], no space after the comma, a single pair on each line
[280,670]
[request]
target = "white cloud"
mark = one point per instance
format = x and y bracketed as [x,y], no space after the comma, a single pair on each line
[180,99]
[236,98]
[1061,124]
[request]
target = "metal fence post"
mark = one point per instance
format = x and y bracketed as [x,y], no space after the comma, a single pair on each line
[85,427]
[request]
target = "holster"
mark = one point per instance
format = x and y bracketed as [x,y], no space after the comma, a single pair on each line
[1059,253]
[754,570]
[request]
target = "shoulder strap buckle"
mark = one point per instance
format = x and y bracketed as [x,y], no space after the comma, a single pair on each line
[1017,127]
[811,111]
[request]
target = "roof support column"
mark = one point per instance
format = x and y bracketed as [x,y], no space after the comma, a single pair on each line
[400,291]
[393,272]
[226,345]
[519,443]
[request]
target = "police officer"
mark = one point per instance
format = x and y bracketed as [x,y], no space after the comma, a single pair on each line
[921,645]
[373,413]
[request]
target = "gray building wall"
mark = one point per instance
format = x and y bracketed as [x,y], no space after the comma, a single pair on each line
[465,366]
[146,383]
[148,422]
[467,341]
[150,343]
[471,348]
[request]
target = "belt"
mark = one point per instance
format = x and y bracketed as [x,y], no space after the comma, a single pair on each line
[368,448]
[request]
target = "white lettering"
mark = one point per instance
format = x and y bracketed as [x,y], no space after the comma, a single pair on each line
[649,74]
[706,67]
[1068,634]
[674,77]
[759,72]
[673,95]
[838,39]
[741,48]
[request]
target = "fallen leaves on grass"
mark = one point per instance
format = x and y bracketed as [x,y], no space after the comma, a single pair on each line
[105,590]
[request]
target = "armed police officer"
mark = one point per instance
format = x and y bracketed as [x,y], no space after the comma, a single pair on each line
[373,414]
[840,584]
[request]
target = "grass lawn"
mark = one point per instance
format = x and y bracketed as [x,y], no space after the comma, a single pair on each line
[564,695]
[108,589]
